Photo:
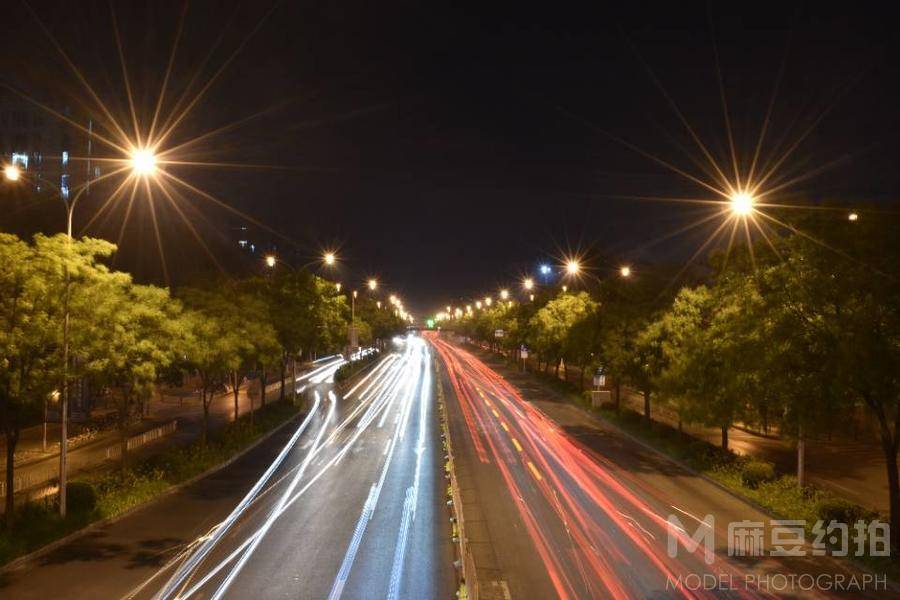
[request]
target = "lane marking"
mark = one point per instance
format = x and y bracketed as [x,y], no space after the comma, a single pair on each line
[534,470]
[504,426]
[516,444]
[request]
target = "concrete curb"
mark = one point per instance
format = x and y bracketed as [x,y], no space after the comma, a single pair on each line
[23,560]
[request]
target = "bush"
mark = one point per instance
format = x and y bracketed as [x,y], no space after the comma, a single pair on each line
[80,496]
[842,511]
[756,472]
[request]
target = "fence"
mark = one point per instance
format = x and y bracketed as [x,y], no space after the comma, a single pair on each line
[139,440]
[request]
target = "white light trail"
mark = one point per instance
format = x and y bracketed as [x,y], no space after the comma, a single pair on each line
[185,570]
[223,587]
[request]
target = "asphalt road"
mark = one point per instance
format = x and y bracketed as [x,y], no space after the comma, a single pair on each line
[575,509]
[346,503]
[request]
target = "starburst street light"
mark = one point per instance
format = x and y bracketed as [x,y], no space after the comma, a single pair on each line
[329,258]
[741,203]
[142,162]
[12,172]
[271,260]
[573,267]
[625,271]
[528,283]
[373,284]
[504,294]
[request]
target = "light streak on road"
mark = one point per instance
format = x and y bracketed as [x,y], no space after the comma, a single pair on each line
[187,568]
[223,587]
[394,386]
[604,551]
[415,356]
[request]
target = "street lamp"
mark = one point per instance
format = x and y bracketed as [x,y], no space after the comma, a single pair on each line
[488,300]
[143,162]
[741,204]
[271,260]
[504,294]
[329,258]
[478,304]
[625,271]
[528,284]
[373,284]
[12,172]
[338,287]
[853,217]
[573,267]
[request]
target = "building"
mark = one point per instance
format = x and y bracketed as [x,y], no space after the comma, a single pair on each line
[53,155]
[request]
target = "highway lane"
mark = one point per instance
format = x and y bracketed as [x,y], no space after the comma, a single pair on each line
[352,509]
[571,522]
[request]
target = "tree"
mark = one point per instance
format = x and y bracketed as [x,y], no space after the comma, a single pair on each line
[552,323]
[137,333]
[214,347]
[712,349]
[844,293]
[30,318]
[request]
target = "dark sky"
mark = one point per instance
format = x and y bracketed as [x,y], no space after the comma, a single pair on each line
[448,147]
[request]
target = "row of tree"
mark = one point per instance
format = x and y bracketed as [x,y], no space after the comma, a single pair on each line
[799,330]
[126,338]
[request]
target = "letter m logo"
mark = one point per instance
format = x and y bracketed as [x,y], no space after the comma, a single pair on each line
[703,538]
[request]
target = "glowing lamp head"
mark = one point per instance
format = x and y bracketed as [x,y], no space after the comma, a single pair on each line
[12,172]
[488,300]
[143,161]
[742,204]
[373,284]
[329,258]
[573,267]
[528,284]
[270,261]
[478,304]
[504,294]
[337,286]
[545,269]
[625,271]
[853,217]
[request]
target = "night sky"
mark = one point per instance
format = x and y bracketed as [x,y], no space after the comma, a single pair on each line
[447,149]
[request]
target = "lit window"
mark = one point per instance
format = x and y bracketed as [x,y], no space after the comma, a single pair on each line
[65,157]
[20,159]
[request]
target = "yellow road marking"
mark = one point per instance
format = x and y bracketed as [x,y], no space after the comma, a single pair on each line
[496,414]
[516,444]
[504,426]
[534,470]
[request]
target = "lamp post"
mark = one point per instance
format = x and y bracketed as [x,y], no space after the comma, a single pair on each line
[143,164]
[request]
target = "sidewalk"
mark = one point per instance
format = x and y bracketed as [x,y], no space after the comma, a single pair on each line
[36,467]
[855,470]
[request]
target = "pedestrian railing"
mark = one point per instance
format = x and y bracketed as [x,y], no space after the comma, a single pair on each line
[24,482]
[136,441]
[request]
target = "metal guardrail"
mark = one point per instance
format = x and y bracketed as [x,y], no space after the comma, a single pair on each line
[469,580]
